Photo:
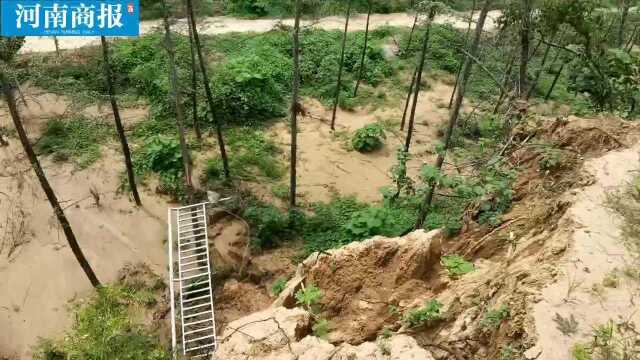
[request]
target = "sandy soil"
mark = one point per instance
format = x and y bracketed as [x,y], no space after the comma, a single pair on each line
[327,167]
[42,275]
[226,24]
[596,249]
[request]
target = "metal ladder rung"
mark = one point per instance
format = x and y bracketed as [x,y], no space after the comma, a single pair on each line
[198,314]
[195,248]
[201,347]
[198,330]
[192,218]
[193,242]
[196,306]
[195,229]
[198,322]
[189,212]
[198,298]
[194,255]
[194,269]
[192,224]
[196,283]
[191,236]
[193,276]
[194,291]
[193,262]
[197,339]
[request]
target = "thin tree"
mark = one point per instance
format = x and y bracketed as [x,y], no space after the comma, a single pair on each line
[177,98]
[455,86]
[295,108]
[44,183]
[126,152]
[525,39]
[57,45]
[534,84]
[340,66]
[624,6]
[555,81]
[408,100]
[455,111]
[364,50]
[505,83]
[418,79]
[407,48]
[207,89]
[194,85]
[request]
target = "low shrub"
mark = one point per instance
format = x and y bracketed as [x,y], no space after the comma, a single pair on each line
[425,315]
[369,138]
[162,155]
[456,265]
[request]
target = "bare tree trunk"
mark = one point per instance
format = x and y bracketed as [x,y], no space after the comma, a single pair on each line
[455,112]
[416,87]
[295,108]
[555,81]
[364,51]
[126,152]
[532,88]
[409,93]
[505,84]
[177,98]
[194,85]
[455,86]
[339,84]
[44,183]
[629,46]
[525,34]
[57,45]
[413,29]
[624,13]
[207,89]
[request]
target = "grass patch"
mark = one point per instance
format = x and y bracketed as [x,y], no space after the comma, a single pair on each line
[77,139]
[626,204]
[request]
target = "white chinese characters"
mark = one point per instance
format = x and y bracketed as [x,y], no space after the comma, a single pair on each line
[83,15]
[110,16]
[69,15]
[55,17]
[29,15]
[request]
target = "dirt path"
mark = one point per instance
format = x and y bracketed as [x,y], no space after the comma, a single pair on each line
[595,252]
[226,24]
[38,273]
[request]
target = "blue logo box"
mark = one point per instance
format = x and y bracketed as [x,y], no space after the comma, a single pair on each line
[69,17]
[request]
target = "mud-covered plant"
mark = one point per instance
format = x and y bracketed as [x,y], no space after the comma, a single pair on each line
[428,314]
[278,286]
[611,341]
[551,159]
[493,318]
[456,265]
[404,184]
[567,326]
[321,328]
[369,138]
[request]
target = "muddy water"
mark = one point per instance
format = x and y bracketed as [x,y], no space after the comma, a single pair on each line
[226,24]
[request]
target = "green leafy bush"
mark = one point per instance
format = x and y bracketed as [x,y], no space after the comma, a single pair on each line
[309,296]
[456,265]
[278,286]
[425,315]
[269,225]
[321,328]
[383,220]
[77,139]
[493,318]
[103,329]
[161,155]
[369,138]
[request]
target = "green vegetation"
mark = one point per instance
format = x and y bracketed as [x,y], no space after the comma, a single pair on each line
[103,329]
[161,155]
[278,286]
[77,139]
[611,341]
[308,296]
[425,315]
[321,328]
[369,138]
[493,318]
[456,265]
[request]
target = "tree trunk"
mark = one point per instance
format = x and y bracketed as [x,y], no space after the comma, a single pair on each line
[525,34]
[57,45]
[44,183]
[413,28]
[505,83]
[455,112]
[455,86]
[177,98]
[207,89]
[409,93]
[555,81]
[126,152]
[295,85]
[624,13]
[194,85]
[416,86]
[364,51]
[629,46]
[338,86]
[532,88]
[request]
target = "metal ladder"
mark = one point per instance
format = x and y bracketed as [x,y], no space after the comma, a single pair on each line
[195,288]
